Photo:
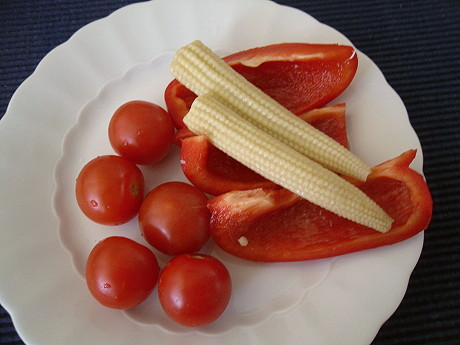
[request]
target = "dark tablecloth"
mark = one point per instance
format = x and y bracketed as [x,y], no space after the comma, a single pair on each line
[416,45]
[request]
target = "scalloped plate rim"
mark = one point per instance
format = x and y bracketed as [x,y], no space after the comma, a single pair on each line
[16,100]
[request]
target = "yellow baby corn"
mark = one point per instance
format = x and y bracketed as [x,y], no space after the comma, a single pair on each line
[281,164]
[203,72]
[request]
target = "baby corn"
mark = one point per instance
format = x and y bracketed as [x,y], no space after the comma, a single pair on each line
[203,72]
[281,164]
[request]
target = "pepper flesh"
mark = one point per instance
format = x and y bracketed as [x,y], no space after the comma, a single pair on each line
[300,76]
[214,172]
[280,226]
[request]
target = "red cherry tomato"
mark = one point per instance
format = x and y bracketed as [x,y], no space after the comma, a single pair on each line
[174,218]
[194,289]
[141,131]
[110,190]
[121,273]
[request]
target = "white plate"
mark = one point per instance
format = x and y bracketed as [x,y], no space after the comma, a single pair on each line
[45,239]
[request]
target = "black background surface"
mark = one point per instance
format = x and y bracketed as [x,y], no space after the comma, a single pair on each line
[415,44]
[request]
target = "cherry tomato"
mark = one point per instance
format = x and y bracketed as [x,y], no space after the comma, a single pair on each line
[110,190]
[121,273]
[141,131]
[174,218]
[194,289]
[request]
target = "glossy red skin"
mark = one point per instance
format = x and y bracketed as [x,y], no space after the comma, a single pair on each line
[110,189]
[300,76]
[141,131]
[178,100]
[121,273]
[174,218]
[215,173]
[194,289]
[280,226]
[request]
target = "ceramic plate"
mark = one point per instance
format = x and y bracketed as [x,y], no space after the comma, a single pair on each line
[57,121]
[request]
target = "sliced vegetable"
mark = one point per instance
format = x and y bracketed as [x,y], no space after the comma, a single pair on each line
[299,76]
[178,100]
[277,225]
[329,120]
[203,72]
[214,172]
[281,164]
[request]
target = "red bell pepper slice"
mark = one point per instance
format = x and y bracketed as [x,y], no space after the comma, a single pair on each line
[178,100]
[300,76]
[276,225]
[214,172]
